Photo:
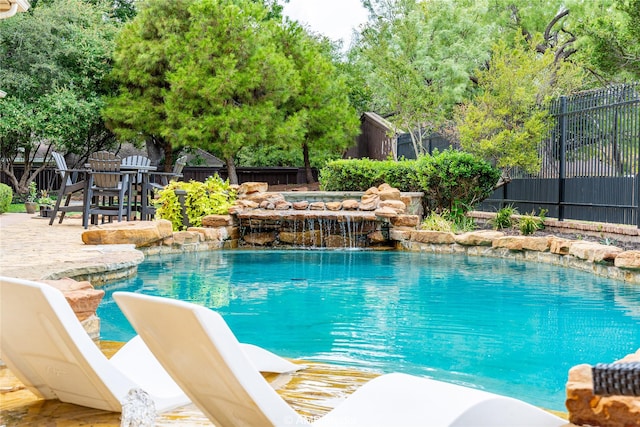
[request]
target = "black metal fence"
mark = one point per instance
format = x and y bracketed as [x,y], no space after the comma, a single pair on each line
[590,162]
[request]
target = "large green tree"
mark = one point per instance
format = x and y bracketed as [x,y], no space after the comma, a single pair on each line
[417,58]
[327,121]
[54,60]
[229,79]
[142,60]
[507,121]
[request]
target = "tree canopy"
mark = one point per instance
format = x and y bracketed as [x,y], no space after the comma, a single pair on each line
[54,62]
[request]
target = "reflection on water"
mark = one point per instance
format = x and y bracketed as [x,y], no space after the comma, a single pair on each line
[511,328]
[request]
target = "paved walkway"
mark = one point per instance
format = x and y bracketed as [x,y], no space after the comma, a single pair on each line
[32,249]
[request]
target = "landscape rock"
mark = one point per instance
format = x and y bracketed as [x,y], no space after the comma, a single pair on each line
[350,205]
[519,243]
[594,252]
[317,206]
[405,221]
[252,187]
[434,237]
[81,296]
[186,237]
[217,220]
[478,238]
[300,206]
[394,204]
[139,233]
[560,246]
[386,212]
[585,408]
[333,206]
[628,259]
[260,238]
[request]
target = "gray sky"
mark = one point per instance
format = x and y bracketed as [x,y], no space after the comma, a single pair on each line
[332,18]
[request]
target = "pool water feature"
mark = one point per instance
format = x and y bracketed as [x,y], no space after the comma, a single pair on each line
[507,327]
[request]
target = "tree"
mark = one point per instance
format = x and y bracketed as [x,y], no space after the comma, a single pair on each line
[53,63]
[417,58]
[614,49]
[228,80]
[507,121]
[142,61]
[326,121]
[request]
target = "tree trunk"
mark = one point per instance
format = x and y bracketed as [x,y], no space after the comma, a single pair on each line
[307,164]
[231,170]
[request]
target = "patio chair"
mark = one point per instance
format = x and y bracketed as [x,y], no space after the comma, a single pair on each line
[622,379]
[69,185]
[108,188]
[47,349]
[197,348]
[162,179]
[143,165]
[158,181]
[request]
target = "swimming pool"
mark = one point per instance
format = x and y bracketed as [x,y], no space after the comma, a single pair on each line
[508,327]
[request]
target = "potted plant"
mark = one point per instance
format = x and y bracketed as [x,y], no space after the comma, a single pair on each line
[46,204]
[30,202]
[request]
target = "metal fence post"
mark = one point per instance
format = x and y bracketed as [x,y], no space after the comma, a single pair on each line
[562,157]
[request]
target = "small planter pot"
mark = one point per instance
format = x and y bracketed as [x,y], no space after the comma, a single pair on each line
[30,207]
[46,211]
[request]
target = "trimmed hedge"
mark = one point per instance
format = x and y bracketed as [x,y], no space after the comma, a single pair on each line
[6,196]
[447,178]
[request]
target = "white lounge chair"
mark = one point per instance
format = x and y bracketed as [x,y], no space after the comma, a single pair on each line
[45,346]
[200,352]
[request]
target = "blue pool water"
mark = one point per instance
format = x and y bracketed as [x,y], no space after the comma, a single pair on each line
[508,327]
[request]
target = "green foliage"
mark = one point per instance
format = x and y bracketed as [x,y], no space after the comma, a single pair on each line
[33,192]
[529,223]
[454,221]
[352,175]
[452,177]
[450,180]
[54,61]
[504,218]
[213,196]
[507,121]
[45,199]
[6,195]
[414,59]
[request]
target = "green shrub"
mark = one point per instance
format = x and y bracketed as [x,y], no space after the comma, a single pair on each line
[445,178]
[454,176]
[213,196]
[530,223]
[352,175]
[455,221]
[504,218]
[6,196]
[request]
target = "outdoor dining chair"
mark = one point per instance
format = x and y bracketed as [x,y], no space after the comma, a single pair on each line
[109,188]
[70,184]
[142,165]
[622,379]
[158,181]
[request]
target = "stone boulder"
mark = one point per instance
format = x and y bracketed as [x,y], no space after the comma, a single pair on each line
[434,237]
[520,243]
[585,408]
[405,221]
[629,260]
[260,238]
[139,233]
[386,212]
[300,206]
[81,296]
[560,246]
[350,205]
[317,206]
[478,238]
[333,206]
[217,220]
[396,205]
[252,187]
[304,238]
[594,252]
